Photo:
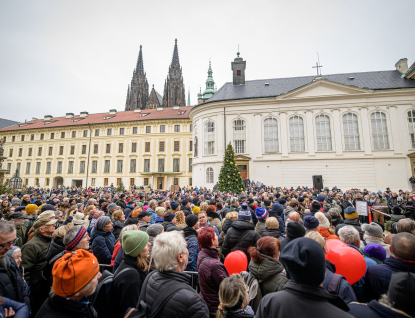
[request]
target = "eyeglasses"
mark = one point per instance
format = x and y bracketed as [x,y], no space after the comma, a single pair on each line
[9,243]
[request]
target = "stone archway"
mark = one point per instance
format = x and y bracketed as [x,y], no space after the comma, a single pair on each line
[57,182]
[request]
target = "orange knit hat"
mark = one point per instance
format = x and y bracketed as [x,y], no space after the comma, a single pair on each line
[135,213]
[73,271]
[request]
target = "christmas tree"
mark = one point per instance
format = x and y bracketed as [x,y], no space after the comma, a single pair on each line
[230,178]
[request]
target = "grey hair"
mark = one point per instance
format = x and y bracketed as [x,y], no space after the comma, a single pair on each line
[7,227]
[335,212]
[130,227]
[152,203]
[348,234]
[70,235]
[405,225]
[166,247]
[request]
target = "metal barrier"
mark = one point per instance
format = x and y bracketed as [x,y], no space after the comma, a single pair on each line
[194,282]
[103,267]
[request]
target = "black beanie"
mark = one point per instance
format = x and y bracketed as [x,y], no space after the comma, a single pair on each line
[169,216]
[191,220]
[304,260]
[295,230]
[315,206]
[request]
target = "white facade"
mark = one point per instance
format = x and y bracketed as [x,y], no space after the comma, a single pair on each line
[353,137]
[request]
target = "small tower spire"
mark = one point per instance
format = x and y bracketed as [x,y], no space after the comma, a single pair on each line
[140,65]
[188,98]
[175,61]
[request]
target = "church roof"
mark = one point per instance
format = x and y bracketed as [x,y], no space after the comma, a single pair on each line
[104,118]
[6,123]
[380,80]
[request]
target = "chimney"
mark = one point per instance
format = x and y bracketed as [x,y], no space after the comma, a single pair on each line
[84,114]
[48,117]
[402,65]
[113,111]
[69,115]
[137,110]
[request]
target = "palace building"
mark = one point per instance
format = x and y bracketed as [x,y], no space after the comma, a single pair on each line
[354,130]
[151,147]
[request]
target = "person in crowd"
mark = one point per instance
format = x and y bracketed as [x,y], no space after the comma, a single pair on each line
[144,218]
[305,262]
[311,223]
[153,230]
[16,254]
[118,253]
[405,225]
[102,240]
[324,227]
[78,219]
[402,260]
[261,215]
[226,224]
[95,214]
[56,245]
[180,220]
[234,299]
[204,221]
[351,218]
[374,235]
[11,308]
[130,275]
[266,268]
[336,217]
[75,277]
[118,220]
[12,284]
[152,205]
[170,256]
[185,207]
[18,219]
[160,211]
[190,235]
[241,235]
[375,252]
[170,221]
[294,231]
[292,207]
[213,217]
[111,207]
[271,227]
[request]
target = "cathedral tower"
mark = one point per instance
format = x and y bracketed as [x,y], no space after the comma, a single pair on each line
[174,92]
[210,87]
[137,94]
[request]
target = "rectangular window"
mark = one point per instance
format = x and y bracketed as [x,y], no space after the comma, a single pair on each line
[148,129]
[176,128]
[108,148]
[120,148]
[107,166]
[162,128]
[161,165]
[22,138]
[32,137]
[18,166]
[147,146]
[133,165]
[191,145]
[96,132]
[38,167]
[59,167]
[28,168]
[42,136]
[83,149]
[94,166]
[48,167]
[20,152]
[62,134]
[85,133]
[52,135]
[70,167]
[190,164]
[131,182]
[134,147]
[190,181]
[61,151]
[176,165]
[72,150]
[119,166]
[135,130]
[50,151]
[47,181]
[121,131]
[176,181]
[29,153]
[105,181]
[118,181]
[176,145]
[82,167]
[161,146]
[9,166]
[74,134]
[11,152]
[191,128]
[146,165]
[146,181]
[95,149]
[109,131]
[93,181]
[13,138]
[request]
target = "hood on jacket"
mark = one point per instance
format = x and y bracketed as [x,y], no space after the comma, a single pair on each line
[241,225]
[268,267]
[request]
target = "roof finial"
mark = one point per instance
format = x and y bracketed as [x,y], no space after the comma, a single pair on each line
[238,51]
[318,66]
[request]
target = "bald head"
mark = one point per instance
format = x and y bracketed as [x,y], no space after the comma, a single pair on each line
[403,246]
[294,216]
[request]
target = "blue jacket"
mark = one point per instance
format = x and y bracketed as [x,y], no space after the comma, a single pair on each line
[346,292]
[373,309]
[22,311]
[190,235]
[153,216]
[103,246]
[214,227]
[378,276]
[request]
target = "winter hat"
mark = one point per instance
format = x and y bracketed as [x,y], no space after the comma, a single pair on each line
[154,229]
[396,210]
[43,221]
[169,216]
[160,211]
[315,206]
[326,207]
[15,201]
[78,237]
[135,213]
[20,208]
[311,222]
[321,198]
[376,251]
[133,242]
[73,271]
[174,205]
[184,202]
[322,220]
[373,229]
[350,213]
[101,222]
[30,208]
[401,291]
[16,215]
[191,220]
[12,250]
[261,214]
[111,206]
[295,230]
[244,213]
[47,207]
[196,209]
[305,261]
[78,219]
[145,208]
[46,215]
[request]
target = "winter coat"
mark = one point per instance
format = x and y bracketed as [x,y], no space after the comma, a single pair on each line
[153,216]
[346,292]
[240,236]
[211,273]
[326,234]
[277,215]
[186,303]
[287,211]
[392,202]
[260,226]
[168,227]
[378,241]
[56,306]
[353,223]
[56,246]
[117,247]
[12,285]
[102,245]
[190,235]
[271,232]
[378,276]
[118,259]
[300,301]
[226,225]
[374,309]
[143,226]
[118,225]
[20,234]
[21,310]
[215,221]
[126,287]
[186,210]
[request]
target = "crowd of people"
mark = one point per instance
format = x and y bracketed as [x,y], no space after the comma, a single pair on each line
[73,252]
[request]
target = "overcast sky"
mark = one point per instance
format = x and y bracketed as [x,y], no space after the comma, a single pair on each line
[79,55]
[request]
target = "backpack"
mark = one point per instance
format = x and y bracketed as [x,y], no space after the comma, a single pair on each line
[334,284]
[101,300]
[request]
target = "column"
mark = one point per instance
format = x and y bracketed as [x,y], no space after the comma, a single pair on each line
[337,133]
[393,131]
[284,134]
[365,133]
[310,133]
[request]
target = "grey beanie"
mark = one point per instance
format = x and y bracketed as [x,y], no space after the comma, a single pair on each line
[154,229]
[111,206]
[373,229]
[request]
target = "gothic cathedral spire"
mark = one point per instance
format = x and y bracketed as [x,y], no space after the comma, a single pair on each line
[137,94]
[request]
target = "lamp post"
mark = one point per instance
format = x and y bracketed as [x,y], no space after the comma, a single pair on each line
[15,182]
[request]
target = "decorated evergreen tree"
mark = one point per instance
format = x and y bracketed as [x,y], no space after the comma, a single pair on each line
[230,178]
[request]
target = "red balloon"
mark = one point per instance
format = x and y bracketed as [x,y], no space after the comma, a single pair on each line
[349,262]
[236,262]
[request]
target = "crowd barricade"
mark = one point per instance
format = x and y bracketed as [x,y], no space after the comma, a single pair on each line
[372,208]
[103,267]
[193,282]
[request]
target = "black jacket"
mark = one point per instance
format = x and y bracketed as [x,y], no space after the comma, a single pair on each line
[354,223]
[168,227]
[118,225]
[185,303]
[56,306]
[186,210]
[240,236]
[299,301]
[373,310]
[226,225]
[55,247]
[102,244]
[11,282]
[126,286]
[392,202]
[271,232]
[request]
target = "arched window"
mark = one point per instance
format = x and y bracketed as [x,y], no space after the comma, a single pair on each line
[271,135]
[323,133]
[379,130]
[351,132]
[195,147]
[209,175]
[239,136]
[411,126]
[296,134]
[209,138]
